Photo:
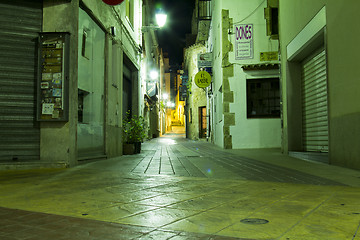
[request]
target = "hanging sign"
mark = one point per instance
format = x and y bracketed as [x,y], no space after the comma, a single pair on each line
[202,79]
[205,59]
[244,41]
[112,2]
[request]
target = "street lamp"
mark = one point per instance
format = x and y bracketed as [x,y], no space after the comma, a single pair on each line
[165,96]
[170,104]
[154,75]
[160,21]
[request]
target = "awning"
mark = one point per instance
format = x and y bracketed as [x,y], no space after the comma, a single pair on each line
[265,66]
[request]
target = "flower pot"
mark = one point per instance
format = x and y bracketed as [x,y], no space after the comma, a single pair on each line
[137,147]
[128,148]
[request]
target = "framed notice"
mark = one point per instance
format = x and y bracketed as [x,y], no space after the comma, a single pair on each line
[53,77]
[244,41]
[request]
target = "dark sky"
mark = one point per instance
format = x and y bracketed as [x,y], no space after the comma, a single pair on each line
[172,36]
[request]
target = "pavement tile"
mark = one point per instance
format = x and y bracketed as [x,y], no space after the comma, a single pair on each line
[118,211]
[205,222]
[144,203]
[159,235]
[199,204]
[158,218]
[166,199]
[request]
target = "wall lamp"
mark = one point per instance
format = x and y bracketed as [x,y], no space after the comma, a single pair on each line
[160,21]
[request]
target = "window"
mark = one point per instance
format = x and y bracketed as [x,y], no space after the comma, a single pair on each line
[130,11]
[86,44]
[263,98]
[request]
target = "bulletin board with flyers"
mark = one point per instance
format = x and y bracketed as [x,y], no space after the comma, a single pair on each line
[53,77]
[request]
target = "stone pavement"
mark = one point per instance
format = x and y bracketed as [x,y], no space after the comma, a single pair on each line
[180,189]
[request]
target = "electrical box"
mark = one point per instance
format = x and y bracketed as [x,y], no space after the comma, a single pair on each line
[53,76]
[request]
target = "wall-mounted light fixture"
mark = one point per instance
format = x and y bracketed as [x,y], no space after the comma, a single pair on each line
[160,21]
[154,74]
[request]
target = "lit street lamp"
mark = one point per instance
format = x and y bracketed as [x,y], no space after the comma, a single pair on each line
[160,21]
[154,75]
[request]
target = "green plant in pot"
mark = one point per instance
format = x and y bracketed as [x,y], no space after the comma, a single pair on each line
[133,133]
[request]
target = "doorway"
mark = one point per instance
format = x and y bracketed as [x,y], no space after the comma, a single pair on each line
[202,122]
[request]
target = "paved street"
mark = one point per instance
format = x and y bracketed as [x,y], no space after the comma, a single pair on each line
[180,189]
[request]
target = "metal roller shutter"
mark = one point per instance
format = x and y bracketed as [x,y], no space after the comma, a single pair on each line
[315,104]
[20,22]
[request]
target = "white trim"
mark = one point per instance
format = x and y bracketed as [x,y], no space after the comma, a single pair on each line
[255,74]
[313,28]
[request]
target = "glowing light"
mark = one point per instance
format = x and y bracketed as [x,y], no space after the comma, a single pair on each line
[170,104]
[154,75]
[167,141]
[161,19]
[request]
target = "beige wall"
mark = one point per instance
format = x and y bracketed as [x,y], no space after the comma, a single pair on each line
[341,42]
[64,17]
[197,97]
[62,148]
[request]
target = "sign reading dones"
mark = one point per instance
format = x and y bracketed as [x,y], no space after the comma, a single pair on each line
[202,79]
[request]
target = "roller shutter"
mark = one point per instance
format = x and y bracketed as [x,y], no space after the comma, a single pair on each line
[20,22]
[314,104]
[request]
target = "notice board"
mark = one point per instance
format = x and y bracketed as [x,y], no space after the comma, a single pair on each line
[53,77]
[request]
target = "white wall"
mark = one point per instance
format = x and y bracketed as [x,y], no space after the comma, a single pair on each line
[246,133]
[214,46]
[251,133]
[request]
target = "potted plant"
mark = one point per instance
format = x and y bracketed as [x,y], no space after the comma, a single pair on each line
[133,133]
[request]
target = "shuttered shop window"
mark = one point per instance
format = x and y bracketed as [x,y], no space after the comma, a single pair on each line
[315,104]
[20,22]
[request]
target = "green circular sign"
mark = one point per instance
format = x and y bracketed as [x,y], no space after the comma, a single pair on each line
[202,79]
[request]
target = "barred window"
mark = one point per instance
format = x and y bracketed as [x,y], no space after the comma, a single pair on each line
[263,98]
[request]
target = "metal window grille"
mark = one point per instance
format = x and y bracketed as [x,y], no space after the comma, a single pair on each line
[263,98]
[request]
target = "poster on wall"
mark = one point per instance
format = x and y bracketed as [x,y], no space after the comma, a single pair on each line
[52,101]
[244,41]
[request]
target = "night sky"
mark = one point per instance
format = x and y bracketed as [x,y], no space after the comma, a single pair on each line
[172,36]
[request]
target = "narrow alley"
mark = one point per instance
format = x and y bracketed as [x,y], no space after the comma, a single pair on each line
[174,120]
[181,189]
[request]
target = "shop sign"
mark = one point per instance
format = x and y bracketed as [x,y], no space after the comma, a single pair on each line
[202,79]
[244,41]
[204,60]
[151,89]
[182,92]
[269,56]
[184,78]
